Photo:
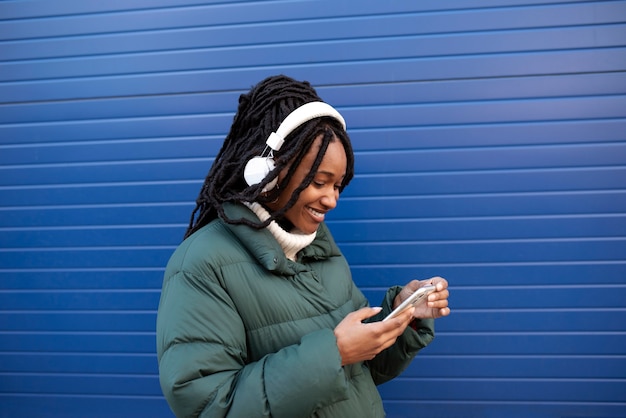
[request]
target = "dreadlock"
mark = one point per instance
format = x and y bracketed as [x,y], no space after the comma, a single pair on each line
[260,112]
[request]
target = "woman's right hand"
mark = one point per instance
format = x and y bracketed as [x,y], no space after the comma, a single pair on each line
[358,341]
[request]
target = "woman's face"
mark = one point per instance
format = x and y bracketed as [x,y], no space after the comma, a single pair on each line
[322,194]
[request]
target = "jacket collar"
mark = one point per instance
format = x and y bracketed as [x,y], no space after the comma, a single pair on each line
[264,247]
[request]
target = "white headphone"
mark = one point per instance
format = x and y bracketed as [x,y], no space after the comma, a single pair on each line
[259,167]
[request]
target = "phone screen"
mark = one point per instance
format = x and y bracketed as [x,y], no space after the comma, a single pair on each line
[417,297]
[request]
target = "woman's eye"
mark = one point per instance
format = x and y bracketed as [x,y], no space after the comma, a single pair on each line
[320,184]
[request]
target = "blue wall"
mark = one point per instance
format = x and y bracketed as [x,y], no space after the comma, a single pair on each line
[491,149]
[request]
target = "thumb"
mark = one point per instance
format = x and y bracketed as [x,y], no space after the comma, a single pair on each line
[367,312]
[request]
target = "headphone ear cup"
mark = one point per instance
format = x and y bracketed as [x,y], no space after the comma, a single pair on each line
[257,169]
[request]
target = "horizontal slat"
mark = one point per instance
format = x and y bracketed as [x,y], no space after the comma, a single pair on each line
[109,236]
[484,251]
[73,406]
[169,15]
[109,194]
[579,319]
[576,273]
[498,389]
[373,187]
[576,319]
[412,69]
[494,251]
[135,343]
[566,85]
[67,8]
[437,139]
[485,344]
[424,366]
[435,183]
[140,364]
[108,151]
[149,214]
[51,280]
[492,274]
[540,298]
[103,407]
[393,209]
[588,155]
[549,343]
[293,53]
[343,232]
[522,409]
[128,107]
[441,137]
[522,367]
[131,301]
[122,129]
[124,171]
[460,229]
[489,297]
[147,20]
[488,112]
[507,390]
[463,90]
[307,30]
[490,205]
[80,385]
[509,158]
[68,321]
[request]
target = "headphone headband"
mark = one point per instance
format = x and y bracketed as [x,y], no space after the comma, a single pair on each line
[302,114]
[259,167]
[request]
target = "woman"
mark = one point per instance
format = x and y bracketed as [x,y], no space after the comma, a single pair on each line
[259,315]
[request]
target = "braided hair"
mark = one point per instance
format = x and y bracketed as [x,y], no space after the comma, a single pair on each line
[260,113]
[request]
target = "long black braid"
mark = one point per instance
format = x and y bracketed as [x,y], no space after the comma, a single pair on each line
[260,112]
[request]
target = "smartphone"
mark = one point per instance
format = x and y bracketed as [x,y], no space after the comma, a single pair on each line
[417,297]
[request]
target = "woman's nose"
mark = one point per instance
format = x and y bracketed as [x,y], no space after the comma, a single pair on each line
[330,199]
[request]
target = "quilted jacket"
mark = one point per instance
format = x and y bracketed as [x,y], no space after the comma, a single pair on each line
[242,331]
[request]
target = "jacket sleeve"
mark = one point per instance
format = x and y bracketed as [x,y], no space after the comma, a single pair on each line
[395,359]
[203,366]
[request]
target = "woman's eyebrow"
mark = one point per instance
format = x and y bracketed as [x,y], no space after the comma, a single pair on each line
[330,174]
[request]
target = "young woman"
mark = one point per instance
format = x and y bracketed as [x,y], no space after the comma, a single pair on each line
[259,316]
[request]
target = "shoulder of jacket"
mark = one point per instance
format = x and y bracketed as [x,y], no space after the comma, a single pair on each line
[209,247]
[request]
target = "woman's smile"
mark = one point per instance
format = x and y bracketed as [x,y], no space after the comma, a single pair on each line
[319,197]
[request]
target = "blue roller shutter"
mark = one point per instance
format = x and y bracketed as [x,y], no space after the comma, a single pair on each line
[490,139]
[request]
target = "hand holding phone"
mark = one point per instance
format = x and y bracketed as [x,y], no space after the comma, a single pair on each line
[417,297]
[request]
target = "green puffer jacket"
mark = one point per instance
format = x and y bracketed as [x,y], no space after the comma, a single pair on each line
[242,331]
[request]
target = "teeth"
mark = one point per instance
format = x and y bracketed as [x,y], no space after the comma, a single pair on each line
[316,213]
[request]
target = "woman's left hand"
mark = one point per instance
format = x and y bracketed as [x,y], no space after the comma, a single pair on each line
[436,304]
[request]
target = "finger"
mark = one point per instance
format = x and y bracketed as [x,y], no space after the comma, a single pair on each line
[365,313]
[438,295]
[401,321]
[438,303]
[439,282]
[444,311]
[412,286]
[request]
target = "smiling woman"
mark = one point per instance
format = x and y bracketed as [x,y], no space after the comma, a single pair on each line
[287,118]
[322,194]
[259,315]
